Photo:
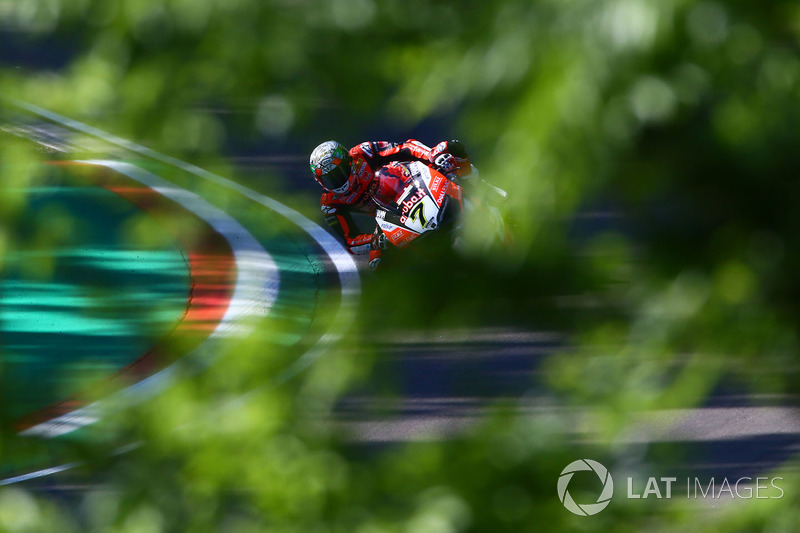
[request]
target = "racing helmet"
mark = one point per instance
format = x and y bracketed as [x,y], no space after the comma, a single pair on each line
[330,163]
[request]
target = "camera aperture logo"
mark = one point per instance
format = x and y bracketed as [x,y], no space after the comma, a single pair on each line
[742,488]
[591,508]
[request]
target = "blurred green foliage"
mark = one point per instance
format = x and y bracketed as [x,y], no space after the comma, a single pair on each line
[678,115]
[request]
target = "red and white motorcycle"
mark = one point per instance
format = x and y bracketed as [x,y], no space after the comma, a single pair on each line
[414,200]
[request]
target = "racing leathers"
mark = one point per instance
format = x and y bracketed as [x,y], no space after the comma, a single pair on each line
[368,157]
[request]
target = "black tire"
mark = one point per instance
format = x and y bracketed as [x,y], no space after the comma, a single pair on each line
[451,216]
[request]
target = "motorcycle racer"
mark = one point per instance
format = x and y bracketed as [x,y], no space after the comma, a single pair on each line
[349,181]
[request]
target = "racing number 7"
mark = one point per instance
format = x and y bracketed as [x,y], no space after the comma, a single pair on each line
[418,214]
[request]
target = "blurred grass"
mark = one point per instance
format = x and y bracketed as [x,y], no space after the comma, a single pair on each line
[682,113]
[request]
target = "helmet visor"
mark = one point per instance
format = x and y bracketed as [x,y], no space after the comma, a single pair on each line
[338,177]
